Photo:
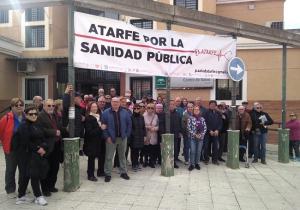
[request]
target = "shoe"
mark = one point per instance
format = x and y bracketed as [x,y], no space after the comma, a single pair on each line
[100,174]
[206,162]
[221,159]
[152,165]
[23,199]
[93,179]
[54,190]
[81,153]
[47,193]
[175,165]
[134,168]
[186,163]
[264,162]
[191,167]
[41,201]
[197,166]
[11,195]
[215,162]
[125,176]
[255,161]
[107,178]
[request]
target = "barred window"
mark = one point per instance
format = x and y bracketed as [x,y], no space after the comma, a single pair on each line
[141,86]
[35,36]
[277,25]
[189,4]
[4,16]
[142,23]
[224,88]
[34,87]
[34,14]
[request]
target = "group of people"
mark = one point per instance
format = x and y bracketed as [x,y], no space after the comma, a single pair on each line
[111,126]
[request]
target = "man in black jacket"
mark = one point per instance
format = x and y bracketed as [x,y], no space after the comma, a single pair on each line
[52,130]
[175,127]
[214,123]
[260,122]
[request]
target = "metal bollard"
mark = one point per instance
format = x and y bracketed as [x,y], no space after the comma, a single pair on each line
[283,145]
[233,149]
[167,155]
[71,164]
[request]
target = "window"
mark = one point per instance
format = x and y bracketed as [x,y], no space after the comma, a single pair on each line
[34,87]
[277,25]
[142,23]
[141,86]
[35,36]
[34,14]
[4,16]
[107,13]
[189,4]
[224,88]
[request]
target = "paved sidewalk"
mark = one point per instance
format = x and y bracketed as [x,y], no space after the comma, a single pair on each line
[271,186]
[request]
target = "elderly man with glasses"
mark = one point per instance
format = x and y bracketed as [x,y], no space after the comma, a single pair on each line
[260,122]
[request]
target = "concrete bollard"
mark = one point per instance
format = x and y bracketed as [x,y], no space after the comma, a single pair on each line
[283,145]
[71,164]
[167,155]
[233,149]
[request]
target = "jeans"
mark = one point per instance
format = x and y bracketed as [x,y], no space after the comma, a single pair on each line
[186,147]
[294,145]
[260,141]
[121,145]
[196,148]
[10,172]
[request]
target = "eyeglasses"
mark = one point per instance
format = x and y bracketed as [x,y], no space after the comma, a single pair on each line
[19,105]
[33,114]
[138,108]
[50,105]
[258,107]
[150,107]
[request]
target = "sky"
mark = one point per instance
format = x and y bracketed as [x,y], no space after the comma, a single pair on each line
[292,14]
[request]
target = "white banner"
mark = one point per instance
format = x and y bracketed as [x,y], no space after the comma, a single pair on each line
[112,45]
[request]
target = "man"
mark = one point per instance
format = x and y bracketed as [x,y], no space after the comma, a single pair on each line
[9,124]
[199,102]
[101,104]
[260,122]
[113,92]
[161,127]
[38,102]
[107,102]
[175,128]
[79,113]
[244,124]
[51,128]
[214,123]
[118,128]
[186,146]
[223,133]
[100,93]
[180,111]
[129,96]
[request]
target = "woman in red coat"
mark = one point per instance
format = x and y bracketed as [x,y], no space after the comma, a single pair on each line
[294,126]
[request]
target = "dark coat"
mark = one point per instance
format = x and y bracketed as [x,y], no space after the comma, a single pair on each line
[27,141]
[79,112]
[175,124]
[213,120]
[44,122]
[138,131]
[258,125]
[161,125]
[92,137]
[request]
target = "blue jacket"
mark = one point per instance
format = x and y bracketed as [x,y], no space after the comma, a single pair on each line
[213,120]
[108,119]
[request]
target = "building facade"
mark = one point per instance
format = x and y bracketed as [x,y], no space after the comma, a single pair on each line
[38,64]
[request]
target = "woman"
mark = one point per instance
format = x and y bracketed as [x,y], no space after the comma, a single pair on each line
[151,142]
[9,124]
[294,125]
[138,134]
[92,139]
[30,148]
[196,131]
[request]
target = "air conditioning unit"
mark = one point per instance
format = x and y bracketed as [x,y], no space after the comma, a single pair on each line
[26,67]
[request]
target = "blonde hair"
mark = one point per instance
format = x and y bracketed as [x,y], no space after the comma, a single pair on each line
[14,101]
